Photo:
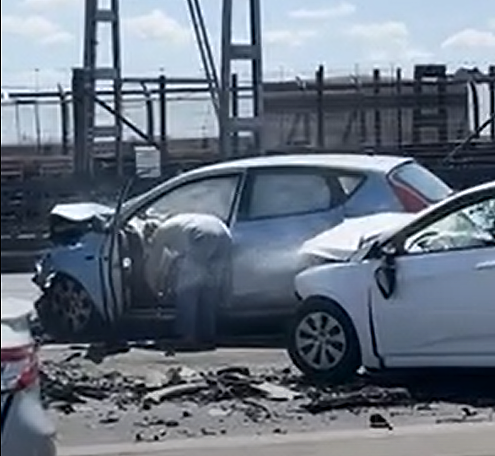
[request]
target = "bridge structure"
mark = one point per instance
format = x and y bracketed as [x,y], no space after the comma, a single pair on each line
[222,83]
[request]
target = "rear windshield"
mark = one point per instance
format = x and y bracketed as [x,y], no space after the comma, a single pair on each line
[424,182]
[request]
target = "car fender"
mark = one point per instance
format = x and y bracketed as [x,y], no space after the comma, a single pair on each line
[80,261]
[347,284]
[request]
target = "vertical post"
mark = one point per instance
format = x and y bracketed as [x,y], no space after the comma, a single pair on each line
[250,52]
[117,85]
[64,120]
[162,87]
[18,121]
[235,113]
[87,91]
[398,91]
[443,130]
[476,107]
[95,14]
[37,118]
[491,89]
[320,112]
[79,100]
[418,89]
[362,111]
[150,117]
[225,80]
[257,75]
[377,110]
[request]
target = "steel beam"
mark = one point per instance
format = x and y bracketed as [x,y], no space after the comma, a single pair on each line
[229,123]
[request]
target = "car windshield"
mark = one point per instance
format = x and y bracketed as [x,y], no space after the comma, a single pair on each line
[469,227]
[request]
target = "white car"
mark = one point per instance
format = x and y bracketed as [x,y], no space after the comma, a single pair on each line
[420,294]
[26,427]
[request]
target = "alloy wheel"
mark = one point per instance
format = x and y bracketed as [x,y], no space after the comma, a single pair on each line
[321,341]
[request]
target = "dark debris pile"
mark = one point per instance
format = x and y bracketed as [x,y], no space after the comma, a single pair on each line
[66,384]
[259,397]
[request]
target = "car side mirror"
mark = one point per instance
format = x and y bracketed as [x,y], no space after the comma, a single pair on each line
[385,274]
[388,251]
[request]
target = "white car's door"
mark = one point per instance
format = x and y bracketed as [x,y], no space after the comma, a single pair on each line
[443,310]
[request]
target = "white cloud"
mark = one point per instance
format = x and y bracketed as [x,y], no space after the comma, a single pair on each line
[380,31]
[49,4]
[286,37]
[386,42]
[343,9]
[491,23]
[35,27]
[470,39]
[396,56]
[157,25]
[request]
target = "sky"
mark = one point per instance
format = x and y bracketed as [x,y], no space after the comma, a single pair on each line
[42,39]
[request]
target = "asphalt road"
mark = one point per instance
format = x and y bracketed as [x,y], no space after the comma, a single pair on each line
[451,440]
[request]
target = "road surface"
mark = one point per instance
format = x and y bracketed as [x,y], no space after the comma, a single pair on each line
[448,440]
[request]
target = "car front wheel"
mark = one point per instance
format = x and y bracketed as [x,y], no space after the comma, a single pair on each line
[323,343]
[66,310]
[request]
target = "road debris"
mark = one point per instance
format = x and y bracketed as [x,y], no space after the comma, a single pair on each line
[276,392]
[378,421]
[366,397]
[164,400]
[173,391]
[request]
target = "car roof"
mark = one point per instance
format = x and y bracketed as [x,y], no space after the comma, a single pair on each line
[350,161]
[490,185]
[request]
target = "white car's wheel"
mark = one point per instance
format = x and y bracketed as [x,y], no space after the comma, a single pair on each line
[323,343]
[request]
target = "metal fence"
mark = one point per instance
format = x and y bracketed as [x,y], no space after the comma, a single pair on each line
[27,118]
[389,114]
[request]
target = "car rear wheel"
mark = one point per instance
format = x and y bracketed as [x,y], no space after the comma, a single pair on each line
[67,311]
[323,343]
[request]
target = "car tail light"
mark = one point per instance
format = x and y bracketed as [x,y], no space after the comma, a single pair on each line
[19,367]
[410,200]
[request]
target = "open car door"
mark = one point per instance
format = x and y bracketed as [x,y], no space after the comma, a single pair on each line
[114,264]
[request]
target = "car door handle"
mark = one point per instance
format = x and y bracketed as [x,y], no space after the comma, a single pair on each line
[485,265]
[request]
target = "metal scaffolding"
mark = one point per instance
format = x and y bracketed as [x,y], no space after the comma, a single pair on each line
[231,124]
[88,132]
[224,91]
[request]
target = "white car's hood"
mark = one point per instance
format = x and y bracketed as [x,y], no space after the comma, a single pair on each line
[340,242]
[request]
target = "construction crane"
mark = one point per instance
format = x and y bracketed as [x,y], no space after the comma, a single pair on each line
[221,83]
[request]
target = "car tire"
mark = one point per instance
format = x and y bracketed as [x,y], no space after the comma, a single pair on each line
[323,342]
[67,312]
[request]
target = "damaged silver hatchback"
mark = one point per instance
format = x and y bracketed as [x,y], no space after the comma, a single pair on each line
[97,277]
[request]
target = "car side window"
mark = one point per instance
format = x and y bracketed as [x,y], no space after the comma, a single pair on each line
[213,196]
[282,193]
[350,183]
[468,228]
